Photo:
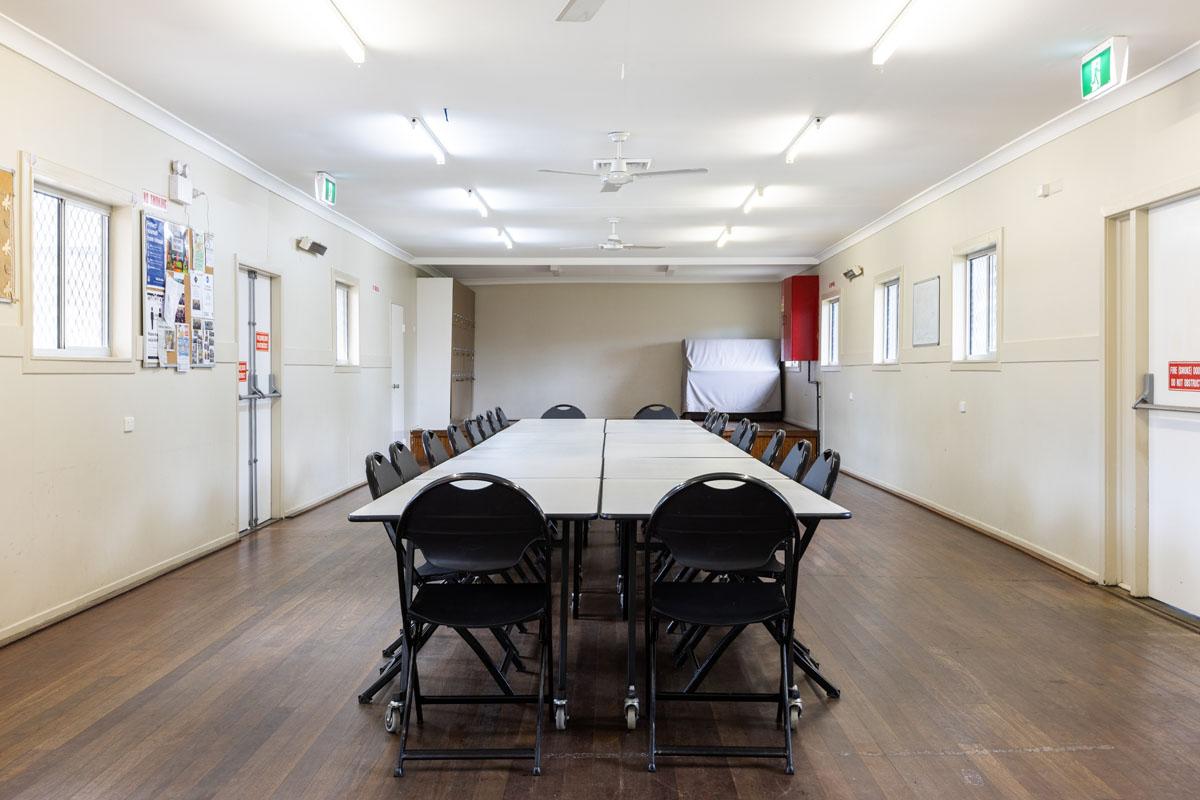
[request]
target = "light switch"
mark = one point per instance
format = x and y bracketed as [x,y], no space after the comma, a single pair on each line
[129,424]
[962,406]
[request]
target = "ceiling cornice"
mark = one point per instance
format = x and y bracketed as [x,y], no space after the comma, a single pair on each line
[619,261]
[45,53]
[1161,75]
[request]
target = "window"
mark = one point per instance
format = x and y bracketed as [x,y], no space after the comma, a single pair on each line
[342,322]
[981,304]
[830,312]
[887,321]
[70,274]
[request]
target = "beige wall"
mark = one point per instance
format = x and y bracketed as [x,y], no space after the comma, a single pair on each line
[608,348]
[1026,460]
[88,509]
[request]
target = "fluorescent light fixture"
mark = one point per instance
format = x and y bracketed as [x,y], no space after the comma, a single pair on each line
[814,125]
[725,236]
[478,201]
[345,36]
[431,142]
[504,237]
[755,195]
[890,39]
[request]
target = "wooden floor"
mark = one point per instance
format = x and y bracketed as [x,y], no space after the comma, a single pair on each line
[968,670]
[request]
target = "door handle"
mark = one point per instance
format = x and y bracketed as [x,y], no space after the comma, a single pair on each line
[1145,401]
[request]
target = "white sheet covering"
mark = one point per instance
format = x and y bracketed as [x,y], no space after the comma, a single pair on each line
[740,376]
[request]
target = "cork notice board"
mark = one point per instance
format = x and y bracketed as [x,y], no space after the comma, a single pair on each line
[8,279]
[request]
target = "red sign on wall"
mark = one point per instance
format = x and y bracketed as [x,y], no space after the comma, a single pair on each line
[242,372]
[262,341]
[1183,376]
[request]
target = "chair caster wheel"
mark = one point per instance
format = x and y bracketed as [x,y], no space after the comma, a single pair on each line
[794,712]
[652,768]
[835,694]
[790,770]
[560,718]
[631,717]
[537,771]
[391,717]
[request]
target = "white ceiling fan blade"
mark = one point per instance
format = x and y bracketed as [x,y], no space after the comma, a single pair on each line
[643,247]
[588,247]
[579,10]
[569,172]
[610,187]
[659,172]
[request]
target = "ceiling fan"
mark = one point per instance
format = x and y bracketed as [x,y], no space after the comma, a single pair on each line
[613,242]
[620,170]
[579,10]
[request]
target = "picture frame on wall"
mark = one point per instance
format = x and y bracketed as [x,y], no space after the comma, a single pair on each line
[8,241]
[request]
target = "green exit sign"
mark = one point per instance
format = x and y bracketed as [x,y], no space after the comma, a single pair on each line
[1104,67]
[326,188]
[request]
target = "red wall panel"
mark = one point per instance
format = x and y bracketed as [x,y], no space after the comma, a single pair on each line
[801,332]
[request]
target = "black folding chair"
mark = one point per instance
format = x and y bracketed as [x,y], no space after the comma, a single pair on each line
[404,462]
[502,418]
[491,420]
[748,436]
[564,411]
[473,531]
[708,418]
[435,451]
[772,449]
[656,411]
[488,430]
[458,442]
[721,524]
[474,432]
[796,460]
[719,423]
[739,431]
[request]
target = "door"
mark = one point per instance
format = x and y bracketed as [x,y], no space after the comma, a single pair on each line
[399,429]
[257,398]
[1174,435]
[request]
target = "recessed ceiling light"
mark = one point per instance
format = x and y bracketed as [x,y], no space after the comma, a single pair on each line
[725,236]
[431,142]
[810,128]
[345,35]
[480,206]
[890,39]
[504,237]
[752,200]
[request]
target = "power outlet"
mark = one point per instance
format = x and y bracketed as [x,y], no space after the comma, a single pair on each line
[129,424]
[852,397]
[962,406]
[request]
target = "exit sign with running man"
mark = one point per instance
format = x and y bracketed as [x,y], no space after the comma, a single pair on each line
[1104,67]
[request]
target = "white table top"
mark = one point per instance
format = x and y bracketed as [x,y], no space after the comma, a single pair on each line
[517,466]
[712,447]
[633,425]
[635,498]
[680,469]
[560,498]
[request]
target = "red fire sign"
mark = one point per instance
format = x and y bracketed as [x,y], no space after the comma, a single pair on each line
[262,341]
[242,372]
[1183,376]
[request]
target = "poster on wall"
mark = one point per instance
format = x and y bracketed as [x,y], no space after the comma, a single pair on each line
[154,273]
[8,253]
[201,302]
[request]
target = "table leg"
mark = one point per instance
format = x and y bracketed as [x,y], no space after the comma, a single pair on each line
[631,697]
[564,598]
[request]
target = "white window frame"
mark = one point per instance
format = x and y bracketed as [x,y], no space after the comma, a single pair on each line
[61,349]
[831,332]
[351,362]
[124,273]
[961,357]
[883,336]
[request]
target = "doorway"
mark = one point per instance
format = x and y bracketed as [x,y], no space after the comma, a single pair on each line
[399,428]
[258,398]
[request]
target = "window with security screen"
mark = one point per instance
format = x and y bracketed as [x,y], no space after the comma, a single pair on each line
[70,274]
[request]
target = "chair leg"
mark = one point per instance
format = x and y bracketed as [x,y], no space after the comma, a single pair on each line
[541,693]
[394,647]
[785,671]
[387,675]
[511,656]
[577,568]
[711,661]
[406,716]
[483,656]
[652,688]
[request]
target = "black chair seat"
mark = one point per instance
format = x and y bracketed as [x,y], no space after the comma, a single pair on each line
[428,572]
[478,605]
[719,604]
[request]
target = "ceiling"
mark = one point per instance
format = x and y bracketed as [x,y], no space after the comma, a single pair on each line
[708,83]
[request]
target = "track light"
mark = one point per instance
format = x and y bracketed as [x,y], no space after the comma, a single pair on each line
[431,142]
[890,39]
[725,236]
[810,128]
[752,200]
[478,201]
[341,31]
[504,237]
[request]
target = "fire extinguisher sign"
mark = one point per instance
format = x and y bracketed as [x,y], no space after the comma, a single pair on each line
[1183,376]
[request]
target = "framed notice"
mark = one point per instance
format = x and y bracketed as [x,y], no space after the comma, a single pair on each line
[927,316]
[8,246]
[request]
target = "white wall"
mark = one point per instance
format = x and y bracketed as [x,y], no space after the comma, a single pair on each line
[608,348]
[1026,460]
[88,509]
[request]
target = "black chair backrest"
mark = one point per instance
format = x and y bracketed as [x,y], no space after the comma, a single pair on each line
[458,442]
[404,462]
[772,449]
[708,418]
[739,430]
[502,418]
[796,460]
[747,441]
[491,420]
[474,431]
[435,451]
[710,527]
[488,430]
[656,411]
[823,474]
[719,423]
[461,526]
[564,411]
[381,479]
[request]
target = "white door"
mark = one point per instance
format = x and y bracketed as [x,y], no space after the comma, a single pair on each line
[399,430]
[1174,534]
[256,398]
